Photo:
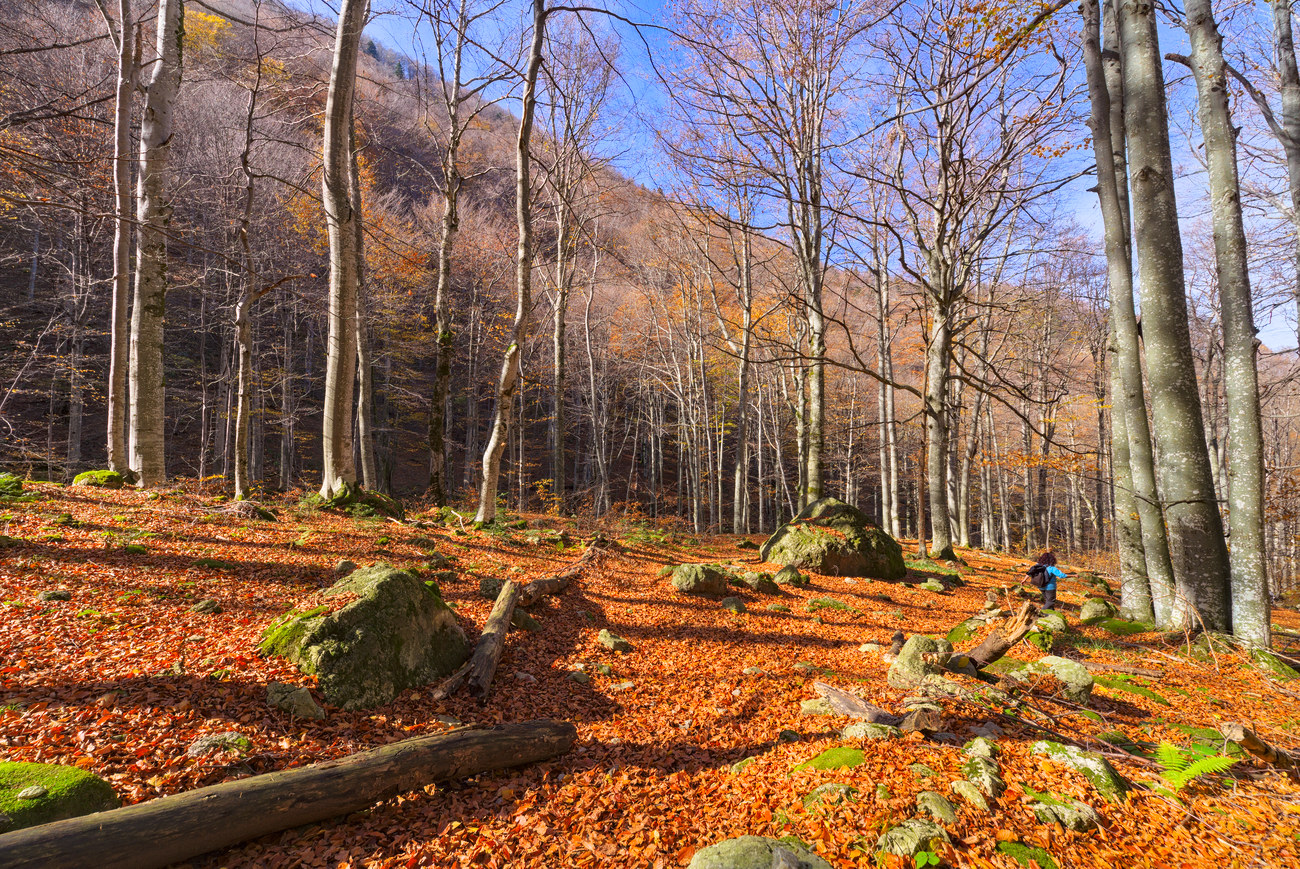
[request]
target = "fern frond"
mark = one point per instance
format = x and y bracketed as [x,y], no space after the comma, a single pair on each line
[1171,758]
[1210,766]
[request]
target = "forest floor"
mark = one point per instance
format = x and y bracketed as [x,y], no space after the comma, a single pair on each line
[124,676]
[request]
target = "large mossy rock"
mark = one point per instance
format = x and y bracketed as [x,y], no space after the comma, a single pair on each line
[1095,610]
[101,479]
[833,538]
[1073,676]
[756,852]
[38,793]
[1095,768]
[708,579]
[920,659]
[393,633]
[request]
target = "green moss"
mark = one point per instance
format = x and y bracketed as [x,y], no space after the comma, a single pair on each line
[285,634]
[11,486]
[101,479]
[213,564]
[1122,628]
[1024,854]
[829,603]
[964,631]
[1273,665]
[841,757]
[1116,683]
[135,549]
[70,792]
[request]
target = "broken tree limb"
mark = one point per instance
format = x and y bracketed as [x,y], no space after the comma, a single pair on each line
[558,582]
[169,829]
[481,667]
[845,703]
[1004,636]
[1249,741]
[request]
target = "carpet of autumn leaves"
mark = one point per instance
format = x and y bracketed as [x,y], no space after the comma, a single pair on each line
[124,676]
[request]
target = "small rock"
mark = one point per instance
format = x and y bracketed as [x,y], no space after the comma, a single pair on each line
[788,735]
[229,740]
[756,852]
[870,648]
[528,678]
[911,837]
[1095,768]
[936,805]
[343,568]
[790,575]
[208,606]
[1071,674]
[815,706]
[580,677]
[294,699]
[754,671]
[35,792]
[984,774]
[613,641]
[1072,815]
[933,585]
[777,608]
[739,766]
[586,616]
[1096,610]
[980,747]
[734,604]
[831,792]
[622,686]
[920,770]
[524,621]
[860,730]
[490,587]
[971,795]
[919,658]
[804,667]
[988,729]
[1051,622]
[54,595]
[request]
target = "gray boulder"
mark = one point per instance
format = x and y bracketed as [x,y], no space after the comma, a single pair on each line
[761,583]
[613,641]
[1073,675]
[1096,610]
[707,579]
[734,604]
[912,837]
[831,537]
[790,575]
[393,633]
[38,793]
[860,731]
[971,795]
[1095,768]
[294,699]
[1071,814]
[757,852]
[1051,622]
[936,805]
[920,657]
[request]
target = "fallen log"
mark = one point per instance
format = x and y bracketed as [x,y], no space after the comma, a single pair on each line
[1248,740]
[1004,636]
[174,828]
[845,703]
[481,667]
[558,582]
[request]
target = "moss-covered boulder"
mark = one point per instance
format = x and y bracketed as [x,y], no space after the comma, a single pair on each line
[760,582]
[38,793]
[100,479]
[1075,678]
[912,837]
[1096,610]
[1051,622]
[833,538]
[391,632]
[11,485]
[757,852]
[706,579]
[921,657]
[790,575]
[1095,768]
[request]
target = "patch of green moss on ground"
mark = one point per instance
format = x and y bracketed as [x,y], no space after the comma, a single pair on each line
[70,792]
[841,757]
[1115,683]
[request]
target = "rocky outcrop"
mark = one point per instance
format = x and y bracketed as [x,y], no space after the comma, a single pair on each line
[833,538]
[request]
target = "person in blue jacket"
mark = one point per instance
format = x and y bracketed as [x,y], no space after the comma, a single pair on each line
[1044,574]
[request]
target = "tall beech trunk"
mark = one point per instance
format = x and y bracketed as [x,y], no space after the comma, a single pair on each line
[1137,515]
[559,371]
[365,363]
[153,214]
[1197,546]
[1251,613]
[119,336]
[342,223]
[509,379]
[1289,86]
[938,361]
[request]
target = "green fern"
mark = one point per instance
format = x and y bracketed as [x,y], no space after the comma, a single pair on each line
[1180,767]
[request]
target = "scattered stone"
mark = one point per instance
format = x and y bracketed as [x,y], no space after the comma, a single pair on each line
[38,793]
[1095,768]
[912,837]
[984,774]
[920,770]
[229,740]
[666,571]
[754,671]
[777,608]
[804,667]
[436,561]
[527,678]
[580,677]
[1051,622]
[925,719]
[981,747]
[705,579]
[100,479]
[933,585]
[936,805]
[971,795]
[840,757]
[866,730]
[761,583]
[788,735]
[733,604]
[489,587]
[921,657]
[831,792]
[209,606]
[1096,610]
[739,766]
[746,544]
[1072,815]
[395,633]
[613,641]
[294,699]
[1073,675]
[815,706]
[56,594]
[524,621]
[872,648]
[619,687]
[790,575]
[833,538]
[757,852]
[1273,666]
[344,568]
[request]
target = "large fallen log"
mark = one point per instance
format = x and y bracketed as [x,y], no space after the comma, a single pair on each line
[1004,637]
[1244,737]
[174,828]
[481,667]
[558,582]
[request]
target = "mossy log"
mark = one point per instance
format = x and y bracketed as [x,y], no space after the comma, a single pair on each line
[481,667]
[169,829]
[558,582]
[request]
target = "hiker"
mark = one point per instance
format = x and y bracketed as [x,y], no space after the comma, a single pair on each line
[1044,575]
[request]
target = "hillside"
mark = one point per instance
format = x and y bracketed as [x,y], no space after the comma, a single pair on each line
[120,678]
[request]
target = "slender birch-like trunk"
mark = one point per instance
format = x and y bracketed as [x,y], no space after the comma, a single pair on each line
[119,336]
[1198,550]
[341,220]
[153,214]
[1251,614]
[509,379]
